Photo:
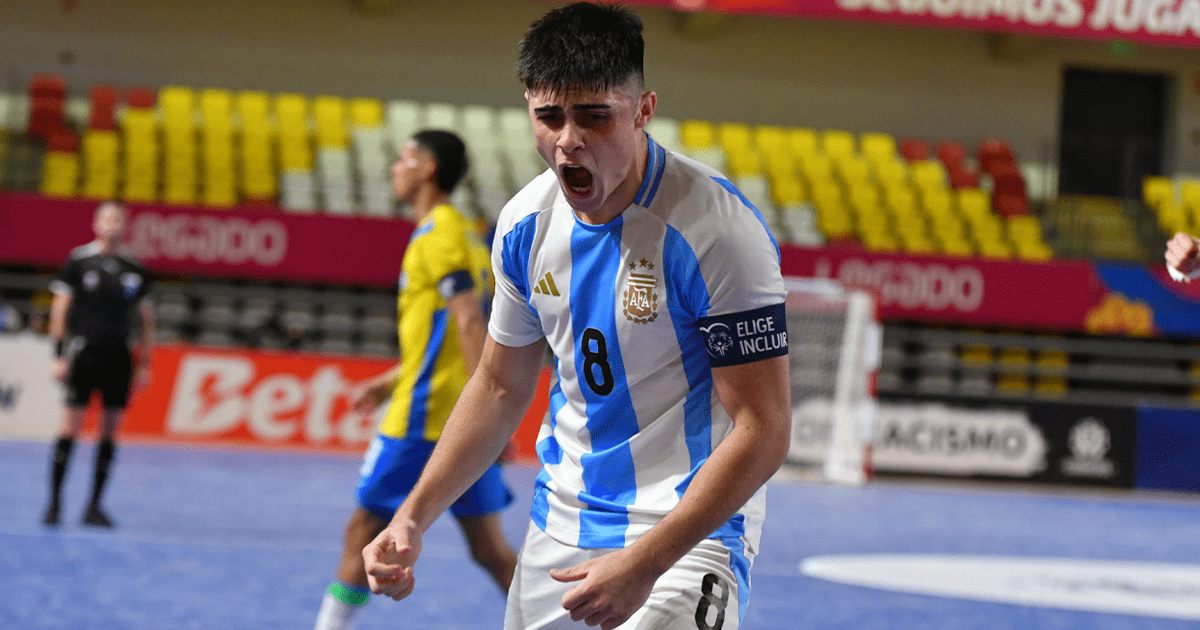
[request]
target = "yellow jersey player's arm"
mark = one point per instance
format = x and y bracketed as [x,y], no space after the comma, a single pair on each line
[468,317]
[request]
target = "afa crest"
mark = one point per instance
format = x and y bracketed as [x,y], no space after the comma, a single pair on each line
[641,297]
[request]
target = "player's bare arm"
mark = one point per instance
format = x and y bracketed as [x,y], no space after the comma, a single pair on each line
[471,326]
[484,418]
[375,391]
[758,398]
[1182,255]
[60,304]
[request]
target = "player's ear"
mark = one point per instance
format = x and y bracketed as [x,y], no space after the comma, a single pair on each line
[647,103]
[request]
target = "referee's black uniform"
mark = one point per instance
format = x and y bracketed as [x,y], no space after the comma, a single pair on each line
[104,288]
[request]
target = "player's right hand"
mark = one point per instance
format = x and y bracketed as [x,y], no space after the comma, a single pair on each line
[389,559]
[60,369]
[1182,253]
[366,398]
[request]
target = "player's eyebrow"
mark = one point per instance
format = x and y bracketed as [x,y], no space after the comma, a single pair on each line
[548,109]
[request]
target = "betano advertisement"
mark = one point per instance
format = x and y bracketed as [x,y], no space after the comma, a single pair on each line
[223,398]
[1158,22]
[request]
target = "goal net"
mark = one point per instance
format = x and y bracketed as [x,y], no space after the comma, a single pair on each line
[834,342]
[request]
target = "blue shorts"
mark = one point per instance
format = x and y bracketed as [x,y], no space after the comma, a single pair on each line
[391,467]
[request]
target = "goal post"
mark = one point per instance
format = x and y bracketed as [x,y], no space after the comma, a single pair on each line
[834,340]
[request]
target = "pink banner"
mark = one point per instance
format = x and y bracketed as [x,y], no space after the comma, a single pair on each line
[1057,295]
[1158,22]
[250,244]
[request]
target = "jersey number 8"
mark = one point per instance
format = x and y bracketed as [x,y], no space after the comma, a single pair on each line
[594,349]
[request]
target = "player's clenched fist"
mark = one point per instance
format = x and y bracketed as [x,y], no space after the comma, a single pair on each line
[389,559]
[1182,253]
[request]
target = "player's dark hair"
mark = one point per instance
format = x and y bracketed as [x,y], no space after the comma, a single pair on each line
[582,46]
[449,153]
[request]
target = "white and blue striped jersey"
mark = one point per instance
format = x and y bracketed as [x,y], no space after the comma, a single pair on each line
[637,311]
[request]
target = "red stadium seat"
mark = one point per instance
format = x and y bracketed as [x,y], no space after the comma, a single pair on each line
[914,150]
[48,86]
[1010,204]
[45,116]
[1009,196]
[62,140]
[102,112]
[960,177]
[142,97]
[995,153]
[951,153]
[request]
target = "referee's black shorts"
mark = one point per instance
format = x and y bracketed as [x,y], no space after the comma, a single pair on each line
[99,364]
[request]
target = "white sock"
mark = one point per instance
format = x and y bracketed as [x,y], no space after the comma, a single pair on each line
[336,614]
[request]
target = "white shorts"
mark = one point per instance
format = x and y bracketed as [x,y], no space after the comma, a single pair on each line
[698,593]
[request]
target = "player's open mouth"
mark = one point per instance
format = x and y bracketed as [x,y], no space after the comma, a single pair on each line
[578,180]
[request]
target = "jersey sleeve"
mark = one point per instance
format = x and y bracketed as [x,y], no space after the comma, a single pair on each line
[745,320]
[513,321]
[66,281]
[445,257]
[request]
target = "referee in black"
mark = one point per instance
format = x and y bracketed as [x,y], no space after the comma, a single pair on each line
[91,320]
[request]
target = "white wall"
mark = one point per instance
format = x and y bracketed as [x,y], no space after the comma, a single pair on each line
[930,83]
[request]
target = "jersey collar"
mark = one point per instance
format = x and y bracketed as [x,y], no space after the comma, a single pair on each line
[656,161]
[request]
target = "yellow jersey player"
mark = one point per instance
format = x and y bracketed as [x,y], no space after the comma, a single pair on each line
[445,285]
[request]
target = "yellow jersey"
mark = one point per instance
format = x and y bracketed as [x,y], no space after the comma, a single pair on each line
[444,257]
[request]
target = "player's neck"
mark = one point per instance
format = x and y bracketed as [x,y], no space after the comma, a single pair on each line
[427,198]
[105,246]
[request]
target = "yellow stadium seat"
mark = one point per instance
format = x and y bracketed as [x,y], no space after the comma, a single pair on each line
[803,142]
[854,171]
[892,172]
[60,174]
[771,139]
[825,193]
[973,202]
[878,147]
[366,112]
[994,248]
[215,105]
[864,196]
[937,202]
[1012,384]
[1034,252]
[780,164]
[929,175]
[880,242]
[743,162]
[958,247]
[177,103]
[329,112]
[1025,227]
[838,144]
[817,169]
[1051,360]
[1172,218]
[697,134]
[253,106]
[975,355]
[734,136]
[1189,193]
[1157,190]
[900,198]
[1050,386]
[786,190]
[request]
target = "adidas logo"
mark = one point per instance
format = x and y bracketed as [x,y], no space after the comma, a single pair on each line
[545,286]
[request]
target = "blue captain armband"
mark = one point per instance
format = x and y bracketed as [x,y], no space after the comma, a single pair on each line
[454,283]
[745,337]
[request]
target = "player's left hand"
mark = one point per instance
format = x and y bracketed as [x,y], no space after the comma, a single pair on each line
[611,588]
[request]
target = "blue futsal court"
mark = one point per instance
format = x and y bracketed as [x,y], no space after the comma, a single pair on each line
[231,540]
